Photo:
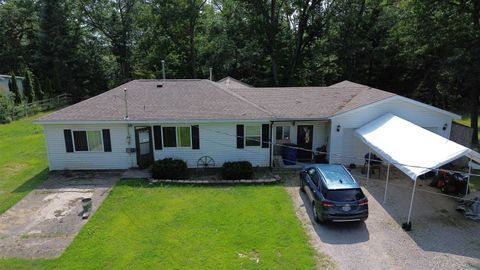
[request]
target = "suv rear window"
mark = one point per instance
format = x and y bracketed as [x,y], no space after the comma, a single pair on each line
[345,195]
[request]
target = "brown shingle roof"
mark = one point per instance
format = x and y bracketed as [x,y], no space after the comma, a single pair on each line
[207,100]
[313,102]
[175,100]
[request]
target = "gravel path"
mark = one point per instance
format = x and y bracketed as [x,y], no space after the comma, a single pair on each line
[441,238]
[44,222]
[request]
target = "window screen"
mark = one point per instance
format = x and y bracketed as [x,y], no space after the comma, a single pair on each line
[252,135]
[184,136]
[94,140]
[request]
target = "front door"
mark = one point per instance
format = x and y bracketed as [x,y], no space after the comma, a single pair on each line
[143,141]
[304,141]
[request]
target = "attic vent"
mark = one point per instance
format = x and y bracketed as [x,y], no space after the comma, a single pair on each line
[159,85]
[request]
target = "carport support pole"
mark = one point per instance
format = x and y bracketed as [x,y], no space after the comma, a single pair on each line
[386,184]
[468,178]
[368,165]
[411,201]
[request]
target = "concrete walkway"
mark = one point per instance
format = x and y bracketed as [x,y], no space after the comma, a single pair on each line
[43,223]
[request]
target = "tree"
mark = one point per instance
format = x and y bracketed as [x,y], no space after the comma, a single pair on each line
[28,88]
[55,49]
[37,88]
[114,20]
[13,86]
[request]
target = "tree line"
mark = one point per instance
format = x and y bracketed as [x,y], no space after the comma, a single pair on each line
[428,50]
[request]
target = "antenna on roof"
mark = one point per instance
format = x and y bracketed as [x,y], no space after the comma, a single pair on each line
[163,69]
[211,73]
[126,103]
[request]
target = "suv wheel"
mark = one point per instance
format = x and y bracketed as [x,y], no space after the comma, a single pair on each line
[315,213]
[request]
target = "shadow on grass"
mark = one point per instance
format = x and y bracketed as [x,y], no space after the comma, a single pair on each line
[145,183]
[31,183]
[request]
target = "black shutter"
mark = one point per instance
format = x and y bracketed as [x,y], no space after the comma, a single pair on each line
[67,133]
[107,143]
[265,137]
[195,137]
[157,135]
[240,132]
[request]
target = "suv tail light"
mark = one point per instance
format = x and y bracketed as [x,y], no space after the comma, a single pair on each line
[328,204]
[363,202]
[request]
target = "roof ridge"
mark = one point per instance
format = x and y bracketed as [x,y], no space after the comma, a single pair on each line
[348,102]
[238,96]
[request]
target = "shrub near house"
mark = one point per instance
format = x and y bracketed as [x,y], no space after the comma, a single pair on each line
[237,170]
[169,168]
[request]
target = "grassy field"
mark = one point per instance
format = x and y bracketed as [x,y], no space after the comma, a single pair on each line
[140,226]
[23,162]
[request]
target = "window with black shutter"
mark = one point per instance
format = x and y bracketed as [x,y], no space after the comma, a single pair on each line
[157,134]
[67,134]
[240,136]
[107,144]
[195,137]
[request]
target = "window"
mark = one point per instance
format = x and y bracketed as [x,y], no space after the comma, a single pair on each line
[313,175]
[169,137]
[90,140]
[282,133]
[183,137]
[253,135]
[177,137]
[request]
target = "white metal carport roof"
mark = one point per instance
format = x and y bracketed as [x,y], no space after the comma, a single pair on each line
[411,148]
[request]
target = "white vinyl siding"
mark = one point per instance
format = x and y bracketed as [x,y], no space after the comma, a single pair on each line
[59,159]
[218,141]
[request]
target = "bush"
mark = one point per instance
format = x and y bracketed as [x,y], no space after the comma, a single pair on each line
[7,105]
[169,168]
[237,170]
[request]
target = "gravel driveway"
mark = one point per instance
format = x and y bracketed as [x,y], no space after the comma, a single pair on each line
[441,238]
[45,221]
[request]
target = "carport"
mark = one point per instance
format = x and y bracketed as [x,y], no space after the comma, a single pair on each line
[410,148]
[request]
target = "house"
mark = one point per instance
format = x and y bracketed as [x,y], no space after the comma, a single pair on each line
[146,120]
[4,79]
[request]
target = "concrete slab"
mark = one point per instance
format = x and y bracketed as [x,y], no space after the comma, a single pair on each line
[43,223]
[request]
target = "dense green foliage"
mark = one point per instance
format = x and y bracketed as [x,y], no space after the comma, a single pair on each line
[28,87]
[428,50]
[140,226]
[237,170]
[169,168]
[23,160]
[14,90]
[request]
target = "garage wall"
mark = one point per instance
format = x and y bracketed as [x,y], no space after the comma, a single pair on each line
[347,148]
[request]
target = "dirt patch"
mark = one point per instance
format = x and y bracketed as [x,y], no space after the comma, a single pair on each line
[441,238]
[45,221]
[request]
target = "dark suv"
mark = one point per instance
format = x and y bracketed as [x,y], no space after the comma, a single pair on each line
[334,194]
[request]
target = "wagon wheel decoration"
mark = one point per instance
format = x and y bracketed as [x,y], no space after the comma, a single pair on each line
[205,162]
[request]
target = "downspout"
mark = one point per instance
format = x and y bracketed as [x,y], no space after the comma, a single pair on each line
[271,144]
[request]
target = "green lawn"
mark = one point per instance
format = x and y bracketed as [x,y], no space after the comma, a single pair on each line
[23,161]
[187,227]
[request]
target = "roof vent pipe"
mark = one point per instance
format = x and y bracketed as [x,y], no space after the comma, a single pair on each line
[163,69]
[211,73]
